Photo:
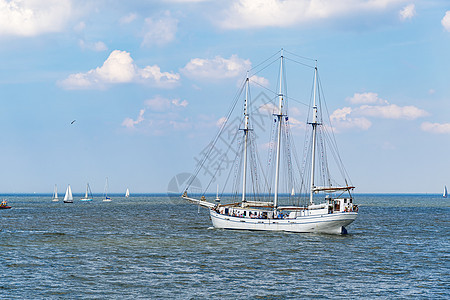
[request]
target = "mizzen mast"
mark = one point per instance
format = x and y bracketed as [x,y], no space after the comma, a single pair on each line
[279,120]
[314,124]
[244,179]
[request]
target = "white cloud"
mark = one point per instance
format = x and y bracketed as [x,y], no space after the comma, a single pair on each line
[259,81]
[159,31]
[119,67]
[130,123]
[216,68]
[446,21]
[160,104]
[342,119]
[408,12]
[33,17]
[436,127]
[268,108]
[96,46]
[358,117]
[392,111]
[366,98]
[128,18]
[221,121]
[283,13]
[163,116]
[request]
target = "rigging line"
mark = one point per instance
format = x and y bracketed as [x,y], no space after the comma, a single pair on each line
[303,57]
[300,102]
[262,86]
[333,141]
[216,138]
[300,63]
[220,164]
[263,62]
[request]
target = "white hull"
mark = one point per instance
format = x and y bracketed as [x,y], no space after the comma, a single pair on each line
[325,223]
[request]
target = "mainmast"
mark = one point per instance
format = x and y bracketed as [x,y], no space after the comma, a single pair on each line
[279,118]
[314,132]
[245,141]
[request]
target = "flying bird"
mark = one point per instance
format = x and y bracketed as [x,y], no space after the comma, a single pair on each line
[72,122]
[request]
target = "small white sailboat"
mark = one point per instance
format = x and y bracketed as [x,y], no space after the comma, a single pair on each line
[88,194]
[445,192]
[55,194]
[267,201]
[106,199]
[127,193]
[68,198]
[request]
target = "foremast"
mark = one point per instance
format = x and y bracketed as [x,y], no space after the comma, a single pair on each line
[244,177]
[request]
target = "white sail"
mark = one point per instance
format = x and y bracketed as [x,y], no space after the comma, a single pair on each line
[445,191]
[127,193]
[68,196]
[55,194]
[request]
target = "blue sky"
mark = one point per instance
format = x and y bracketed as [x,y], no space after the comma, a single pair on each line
[147,82]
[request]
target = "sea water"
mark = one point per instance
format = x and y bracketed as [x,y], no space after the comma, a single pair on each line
[152,246]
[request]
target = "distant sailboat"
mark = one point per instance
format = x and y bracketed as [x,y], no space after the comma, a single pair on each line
[127,193]
[88,195]
[68,196]
[107,199]
[445,192]
[55,195]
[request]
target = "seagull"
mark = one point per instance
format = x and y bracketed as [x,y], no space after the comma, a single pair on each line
[72,122]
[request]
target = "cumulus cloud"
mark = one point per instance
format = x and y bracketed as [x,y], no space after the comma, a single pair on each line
[372,106]
[392,111]
[159,32]
[366,98]
[118,68]
[216,68]
[283,13]
[407,12]
[446,21]
[33,17]
[342,119]
[436,127]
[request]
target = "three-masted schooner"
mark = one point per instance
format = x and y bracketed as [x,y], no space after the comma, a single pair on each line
[265,210]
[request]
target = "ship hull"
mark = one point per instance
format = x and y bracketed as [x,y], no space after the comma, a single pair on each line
[325,223]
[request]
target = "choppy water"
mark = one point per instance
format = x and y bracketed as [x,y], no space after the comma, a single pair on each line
[151,247]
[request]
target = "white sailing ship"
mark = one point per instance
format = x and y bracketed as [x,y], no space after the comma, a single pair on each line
[88,194]
[317,204]
[55,194]
[68,198]
[445,192]
[127,193]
